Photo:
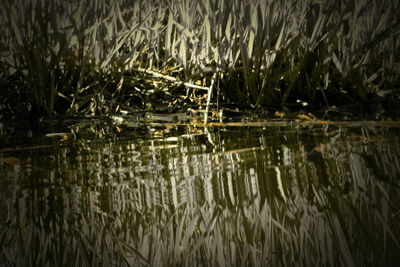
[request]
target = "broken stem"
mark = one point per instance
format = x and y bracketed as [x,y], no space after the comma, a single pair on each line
[214,77]
[172,79]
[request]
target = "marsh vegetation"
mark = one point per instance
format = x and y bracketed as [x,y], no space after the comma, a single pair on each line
[98,57]
[199,132]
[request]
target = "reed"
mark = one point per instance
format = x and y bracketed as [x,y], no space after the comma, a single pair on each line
[262,52]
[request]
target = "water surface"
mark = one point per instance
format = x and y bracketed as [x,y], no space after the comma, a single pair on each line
[165,194]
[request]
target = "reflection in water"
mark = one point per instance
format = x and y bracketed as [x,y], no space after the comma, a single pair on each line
[273,195]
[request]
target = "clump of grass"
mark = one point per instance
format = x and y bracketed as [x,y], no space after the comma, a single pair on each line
[256,52]
[280,51]
[52,51]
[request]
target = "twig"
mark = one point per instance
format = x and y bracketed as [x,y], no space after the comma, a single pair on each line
[172,79]
[214,77]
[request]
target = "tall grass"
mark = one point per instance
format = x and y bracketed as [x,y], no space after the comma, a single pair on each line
[261,52]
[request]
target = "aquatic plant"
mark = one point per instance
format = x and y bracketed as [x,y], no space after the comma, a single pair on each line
[86,56]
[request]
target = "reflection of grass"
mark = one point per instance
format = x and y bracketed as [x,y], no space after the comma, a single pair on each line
[78,56]
[123,208]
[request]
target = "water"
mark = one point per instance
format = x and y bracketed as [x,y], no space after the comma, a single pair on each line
[165,194]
